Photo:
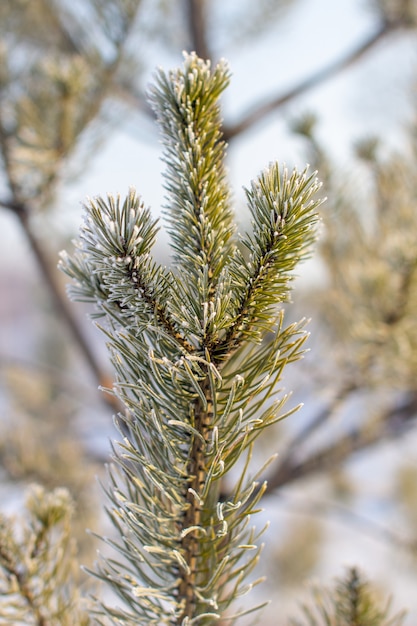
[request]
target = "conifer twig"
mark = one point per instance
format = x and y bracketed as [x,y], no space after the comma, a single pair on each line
[352,602]
[196,394]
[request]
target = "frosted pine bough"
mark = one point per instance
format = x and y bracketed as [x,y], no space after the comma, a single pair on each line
[197,382]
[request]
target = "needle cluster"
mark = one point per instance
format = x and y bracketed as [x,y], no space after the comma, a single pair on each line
[196,379]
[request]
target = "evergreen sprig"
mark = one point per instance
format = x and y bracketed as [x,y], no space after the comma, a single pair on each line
[352,602]
[37,577]
[197,384]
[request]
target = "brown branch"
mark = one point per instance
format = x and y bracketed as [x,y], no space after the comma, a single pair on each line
[262,110]
[59,297]
[22,212]
[60,24]
[392,424]
[193,517]
[197,24]
[129,96]
[319,419]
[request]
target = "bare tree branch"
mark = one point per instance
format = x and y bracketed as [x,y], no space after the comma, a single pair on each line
[60,299]
[343,514]
[198,34]
[197,24]
[264,109]
[391,425]
[319,419]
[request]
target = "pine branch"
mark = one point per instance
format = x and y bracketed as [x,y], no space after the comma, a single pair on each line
[187,109]
[280,203]
[350,603]
[125,282]
[37,583]
[196,393]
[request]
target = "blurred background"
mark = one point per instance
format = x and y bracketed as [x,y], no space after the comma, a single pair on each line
[328,83]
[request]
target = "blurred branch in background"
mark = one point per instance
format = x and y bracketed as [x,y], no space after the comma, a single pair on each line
[263,110]
[391,424]
[351,601]
[46,106]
